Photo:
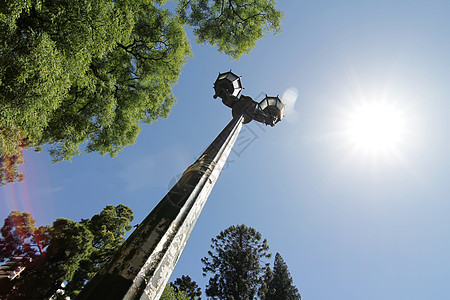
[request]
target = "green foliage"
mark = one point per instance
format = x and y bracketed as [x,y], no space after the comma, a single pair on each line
[188,286]
[87,72]
[68,251]
[92,71]
[170,294]
[108,230]
[70,243]
[234,26]
[109,227]
[278,284]
[236,263]
[66,244]
[129,85]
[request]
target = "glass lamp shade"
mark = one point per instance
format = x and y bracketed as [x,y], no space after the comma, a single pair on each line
[227,84]
[273,108]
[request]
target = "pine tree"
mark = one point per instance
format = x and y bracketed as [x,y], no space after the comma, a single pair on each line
[235,262]
[278,285]
[188,286]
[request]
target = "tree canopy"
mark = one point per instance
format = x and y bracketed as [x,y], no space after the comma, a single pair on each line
[70,252]
[236,263]
[170,294]
[20,237]
[278,284]
[234,26]
[108,229]
[186,285]
[91,72]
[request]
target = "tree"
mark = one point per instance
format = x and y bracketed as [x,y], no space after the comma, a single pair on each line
[69,251]
[55,251]
[92,71]
[170,294]
[9,165]
[108,229]
[278,284]
[89,71]
[188,286]
[235,262]
[11,156]
[70,243]
[20,237]
[234,26]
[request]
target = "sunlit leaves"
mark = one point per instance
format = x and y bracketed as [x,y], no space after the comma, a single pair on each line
[234,26]
[91,72]
[87,72]
[170,294]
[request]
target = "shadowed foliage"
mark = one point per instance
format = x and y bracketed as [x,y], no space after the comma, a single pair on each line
[278,284]
[188,286]
[68,252]
[235,262]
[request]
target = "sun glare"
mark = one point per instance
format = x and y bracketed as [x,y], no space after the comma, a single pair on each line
[375,127]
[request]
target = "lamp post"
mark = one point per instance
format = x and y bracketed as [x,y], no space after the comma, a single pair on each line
[142,266]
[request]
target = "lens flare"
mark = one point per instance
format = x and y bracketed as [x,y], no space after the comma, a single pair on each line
[289,99]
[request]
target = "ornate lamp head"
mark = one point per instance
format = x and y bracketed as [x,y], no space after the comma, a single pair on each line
[272,109]
[228,86]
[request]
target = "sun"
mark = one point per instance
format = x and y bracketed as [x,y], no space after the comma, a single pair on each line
[375,127]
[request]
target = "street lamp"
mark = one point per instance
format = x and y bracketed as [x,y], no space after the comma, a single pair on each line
[141,268]
[228,86]
[271,109]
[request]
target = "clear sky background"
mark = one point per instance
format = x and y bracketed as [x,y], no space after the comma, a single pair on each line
[353,218]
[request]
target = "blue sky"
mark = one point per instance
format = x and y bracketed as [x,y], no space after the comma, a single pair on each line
[351,222]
